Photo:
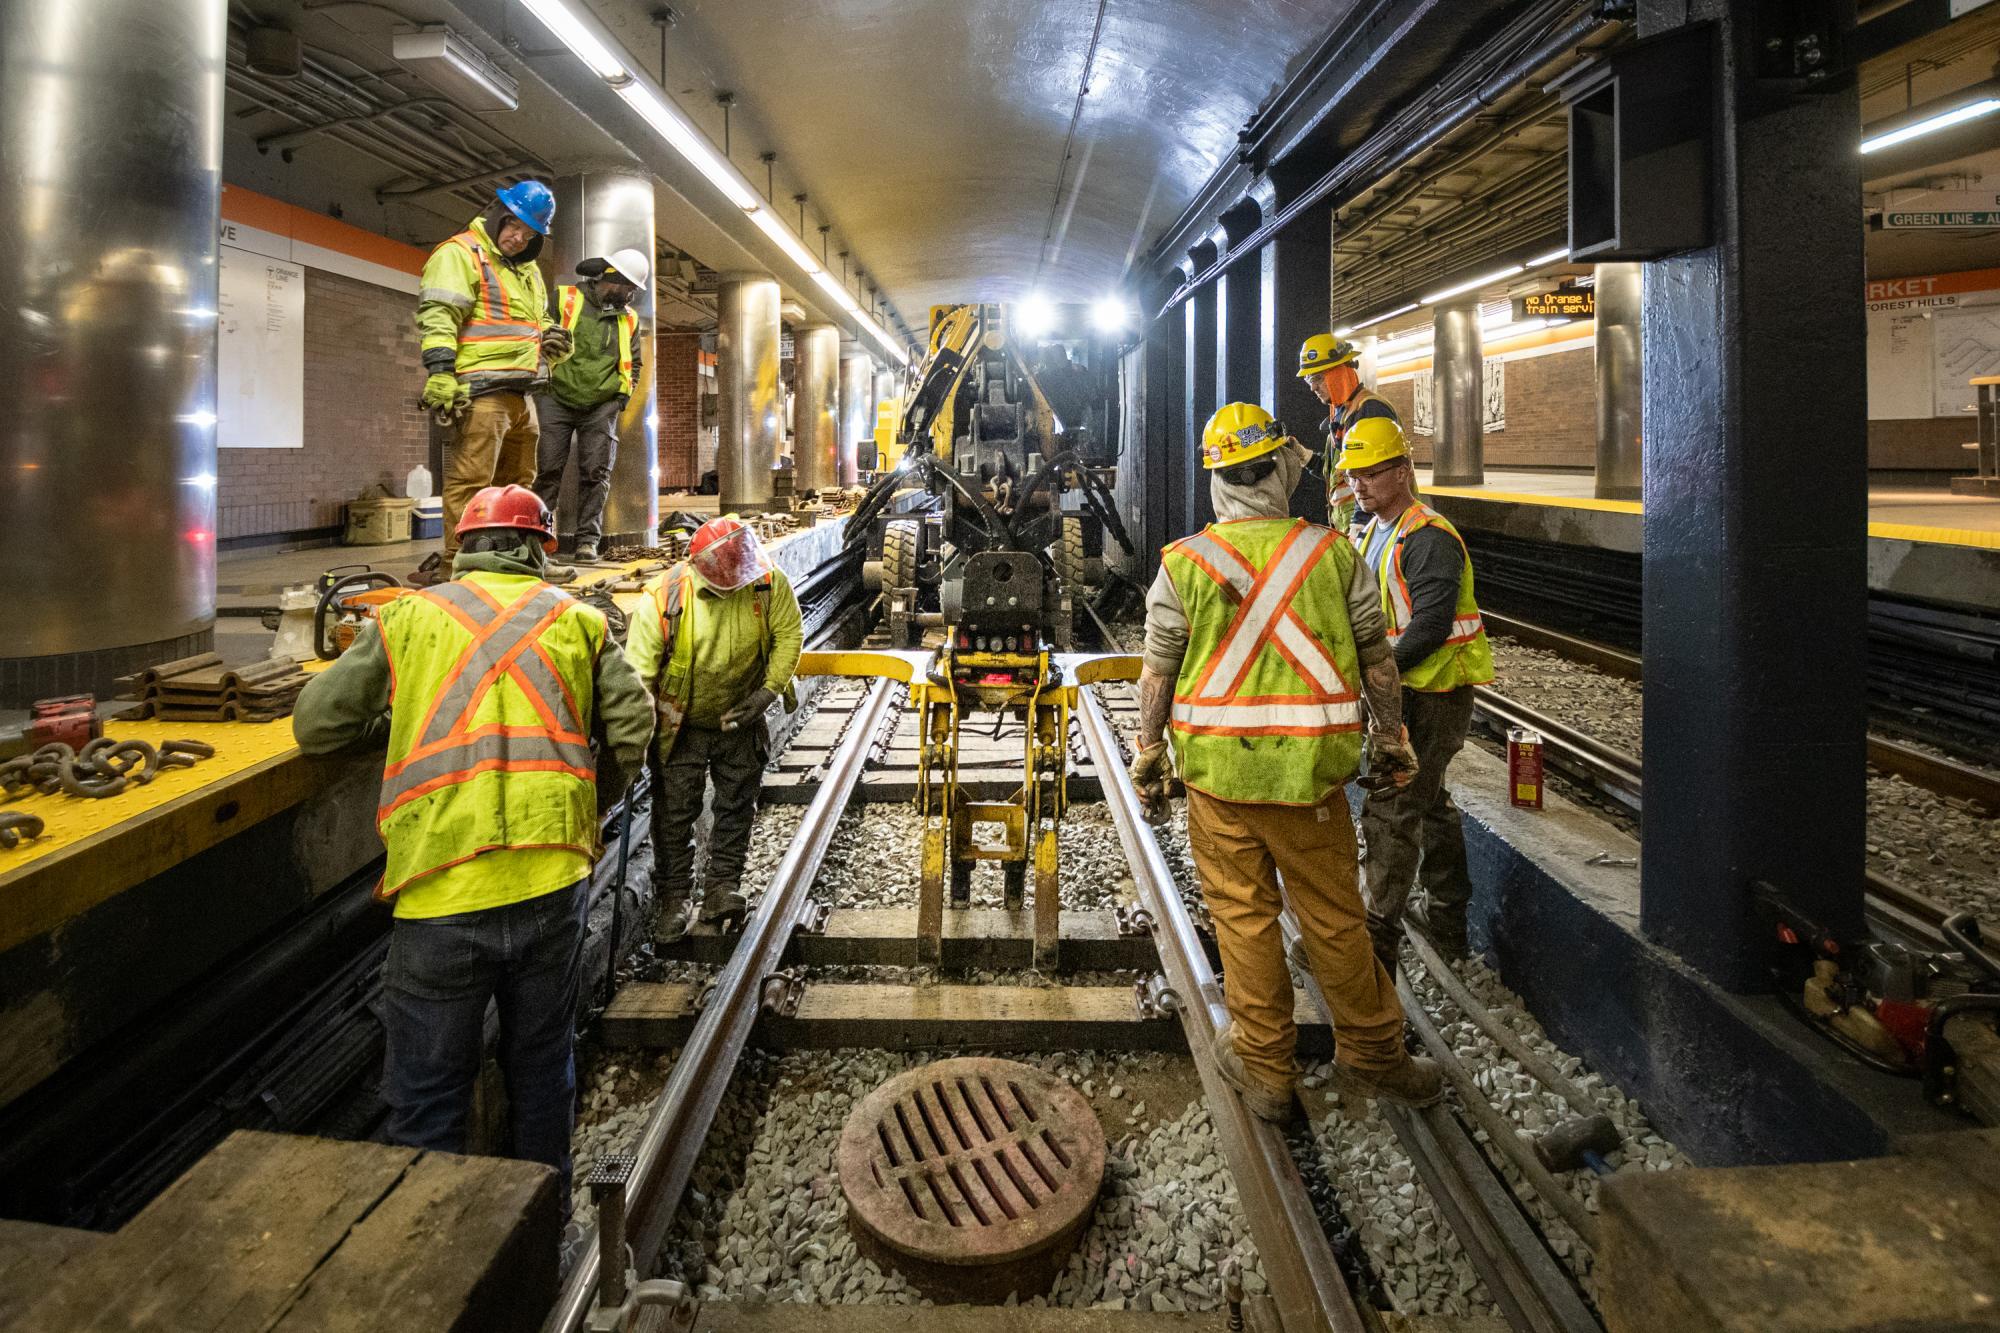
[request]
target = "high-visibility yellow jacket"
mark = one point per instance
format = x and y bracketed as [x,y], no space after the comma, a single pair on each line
[1266,706]
[489,742]
[1339,490]
[701,654]
[488,310]
[1466,658]
[570,306]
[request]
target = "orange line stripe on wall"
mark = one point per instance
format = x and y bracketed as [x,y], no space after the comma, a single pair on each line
[252,209]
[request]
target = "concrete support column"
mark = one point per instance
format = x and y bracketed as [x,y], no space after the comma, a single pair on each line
[1458,445]
[1199,387]
[1298,287]
[598,212]
[1620,382]
[816,407]
[749,402]
[111,146]
[857,409]
[1756,525]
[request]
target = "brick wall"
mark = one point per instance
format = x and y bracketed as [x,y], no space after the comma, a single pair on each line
[362,422]
[679,407]
[1551,413]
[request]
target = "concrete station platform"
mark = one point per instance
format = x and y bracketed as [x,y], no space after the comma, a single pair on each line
[1924,543]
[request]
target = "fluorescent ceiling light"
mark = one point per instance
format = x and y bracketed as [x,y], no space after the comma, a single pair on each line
[454,66]
[1035,316]
[687,141]
[781,235]
[577,35]
[1556,256]
[1985,106]
[841,296]
[1472,284]
[1371,323]
[1108,315]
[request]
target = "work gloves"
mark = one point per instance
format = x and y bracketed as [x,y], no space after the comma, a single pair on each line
[751,709]
[1149,776]
[1391,761]
[444,395]
[556,343]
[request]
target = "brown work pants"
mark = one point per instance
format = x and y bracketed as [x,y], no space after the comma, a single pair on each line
[494,446]
[1243,852]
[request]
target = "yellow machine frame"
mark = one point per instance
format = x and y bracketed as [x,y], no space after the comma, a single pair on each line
[1028,822]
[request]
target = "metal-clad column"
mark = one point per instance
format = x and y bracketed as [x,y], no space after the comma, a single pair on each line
[1756,588]
[1458,445]
[1298,285]
[749,403]
[598,212]
[111,149]
[857,409]
[816,408]
[1620,382]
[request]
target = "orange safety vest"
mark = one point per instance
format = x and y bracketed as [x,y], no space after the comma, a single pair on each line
[489,326]
[570,306]
[1465,658]
[489,747]
[1265,708]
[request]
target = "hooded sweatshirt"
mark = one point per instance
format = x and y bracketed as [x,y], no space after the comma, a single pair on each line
[1268,497]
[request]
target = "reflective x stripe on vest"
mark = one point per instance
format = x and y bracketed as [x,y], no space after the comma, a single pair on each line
[571,303]
[489,327]
[504,644]
[1465,657]
[1266,674]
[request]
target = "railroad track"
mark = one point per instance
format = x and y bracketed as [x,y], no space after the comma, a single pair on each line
[1615,774]
[1310,1288]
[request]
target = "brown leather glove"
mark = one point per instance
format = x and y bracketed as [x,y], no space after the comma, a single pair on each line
[1149,775]
[1391,761]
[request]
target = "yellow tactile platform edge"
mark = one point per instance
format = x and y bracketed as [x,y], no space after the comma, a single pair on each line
[1908,532]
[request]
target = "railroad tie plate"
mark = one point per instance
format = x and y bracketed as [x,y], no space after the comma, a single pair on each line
[972,1163]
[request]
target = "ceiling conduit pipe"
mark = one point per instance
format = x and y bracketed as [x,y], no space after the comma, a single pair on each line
[1394,155]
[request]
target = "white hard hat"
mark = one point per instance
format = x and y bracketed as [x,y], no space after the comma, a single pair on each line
[631,265]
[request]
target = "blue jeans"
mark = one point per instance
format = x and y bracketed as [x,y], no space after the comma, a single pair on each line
[440,975]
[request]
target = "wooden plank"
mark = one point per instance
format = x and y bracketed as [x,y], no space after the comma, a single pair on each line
[1903,1242]
[224,1247]
[649,1013]
[31,1257]
[465,1244]
[979,938]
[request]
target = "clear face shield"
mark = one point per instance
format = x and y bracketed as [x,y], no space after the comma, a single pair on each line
[731,562]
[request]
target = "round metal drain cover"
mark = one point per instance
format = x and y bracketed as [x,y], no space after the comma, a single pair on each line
[972,1162]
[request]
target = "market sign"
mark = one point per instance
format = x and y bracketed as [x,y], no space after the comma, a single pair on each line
[1945,209]
[1562,303]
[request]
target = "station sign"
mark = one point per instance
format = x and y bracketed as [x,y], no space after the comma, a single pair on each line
[1562,303]
[1945,209]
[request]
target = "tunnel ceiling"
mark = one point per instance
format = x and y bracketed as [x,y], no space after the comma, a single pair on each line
[932,135]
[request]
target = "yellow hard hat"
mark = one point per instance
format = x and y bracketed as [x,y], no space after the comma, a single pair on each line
[1323,351]
[1237,433]
[1369,441]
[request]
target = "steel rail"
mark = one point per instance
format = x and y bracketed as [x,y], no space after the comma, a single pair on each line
[685,1111]
[1307,1286]
[1533,1291]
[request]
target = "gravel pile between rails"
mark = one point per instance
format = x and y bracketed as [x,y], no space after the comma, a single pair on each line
[1923,841]
[765,1219]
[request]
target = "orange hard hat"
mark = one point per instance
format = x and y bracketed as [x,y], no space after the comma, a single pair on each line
[726,554]
[509,507]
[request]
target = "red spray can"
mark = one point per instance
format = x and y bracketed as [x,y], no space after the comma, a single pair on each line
[1524,768]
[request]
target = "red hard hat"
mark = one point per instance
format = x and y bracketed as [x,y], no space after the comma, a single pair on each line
[509,507]
[726,554]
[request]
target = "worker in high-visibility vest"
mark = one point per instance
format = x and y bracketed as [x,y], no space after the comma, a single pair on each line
[589,389]
[488,337]
[510,717]
[717,639]
[1424,574]
[1330,367]
[1263,635]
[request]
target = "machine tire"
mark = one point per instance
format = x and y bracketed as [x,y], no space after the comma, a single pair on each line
[1072,566]
[900,541]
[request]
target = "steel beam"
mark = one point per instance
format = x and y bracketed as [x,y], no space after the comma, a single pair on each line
[1199,382]
[1755,585]
[1298,293]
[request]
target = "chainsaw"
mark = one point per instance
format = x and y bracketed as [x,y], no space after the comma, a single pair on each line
[349,597]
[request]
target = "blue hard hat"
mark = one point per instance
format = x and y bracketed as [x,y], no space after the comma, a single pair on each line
[532,202]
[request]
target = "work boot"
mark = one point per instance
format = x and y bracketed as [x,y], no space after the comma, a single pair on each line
[560,574]
[675,916]
[586,553]
[1452,948]
[1264,1103]
[1416,1081]
[722,904]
